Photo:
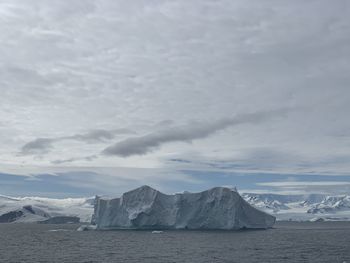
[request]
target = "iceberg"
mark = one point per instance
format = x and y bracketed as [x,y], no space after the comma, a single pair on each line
[147,208]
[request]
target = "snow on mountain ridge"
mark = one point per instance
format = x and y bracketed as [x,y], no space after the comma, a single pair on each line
[301,207]
[33,209]
[331,204]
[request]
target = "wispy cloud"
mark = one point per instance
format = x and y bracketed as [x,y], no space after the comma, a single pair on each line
[44,145]
[73,159]
[304,183]
[324,187]
[187,133]
[38,146]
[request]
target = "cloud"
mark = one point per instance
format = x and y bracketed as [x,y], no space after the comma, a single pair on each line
[70,160]
[194,131]
[98,135]
[44,145]
[324,187]
[38,146]
[292,184]
[87,64]
[88,181]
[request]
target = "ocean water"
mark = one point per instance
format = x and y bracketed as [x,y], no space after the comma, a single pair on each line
[287,242]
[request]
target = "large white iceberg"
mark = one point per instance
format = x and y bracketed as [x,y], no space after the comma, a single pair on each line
[147,208]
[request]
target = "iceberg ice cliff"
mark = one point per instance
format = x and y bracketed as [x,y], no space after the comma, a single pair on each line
[147,208]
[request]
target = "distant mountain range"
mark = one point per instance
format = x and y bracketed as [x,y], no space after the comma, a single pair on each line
[283,207]
[302,207]
[38,209]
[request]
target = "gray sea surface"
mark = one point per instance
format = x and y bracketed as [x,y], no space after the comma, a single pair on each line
[286,242]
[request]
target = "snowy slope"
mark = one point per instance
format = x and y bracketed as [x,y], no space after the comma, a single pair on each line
[33,209]
[333,208]
[302,207]
[147,208]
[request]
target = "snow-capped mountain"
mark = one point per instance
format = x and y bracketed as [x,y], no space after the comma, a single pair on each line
[331,204]
[34,209]
[302,207]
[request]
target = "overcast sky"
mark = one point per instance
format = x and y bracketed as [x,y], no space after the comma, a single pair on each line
[104,95]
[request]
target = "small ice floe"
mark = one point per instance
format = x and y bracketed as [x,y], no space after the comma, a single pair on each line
[58,230]
[317,219]
[157,232]
[86,228]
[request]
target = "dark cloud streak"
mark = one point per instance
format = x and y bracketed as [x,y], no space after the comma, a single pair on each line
[148,143]
[70,160]
[38,146]
[44,145]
